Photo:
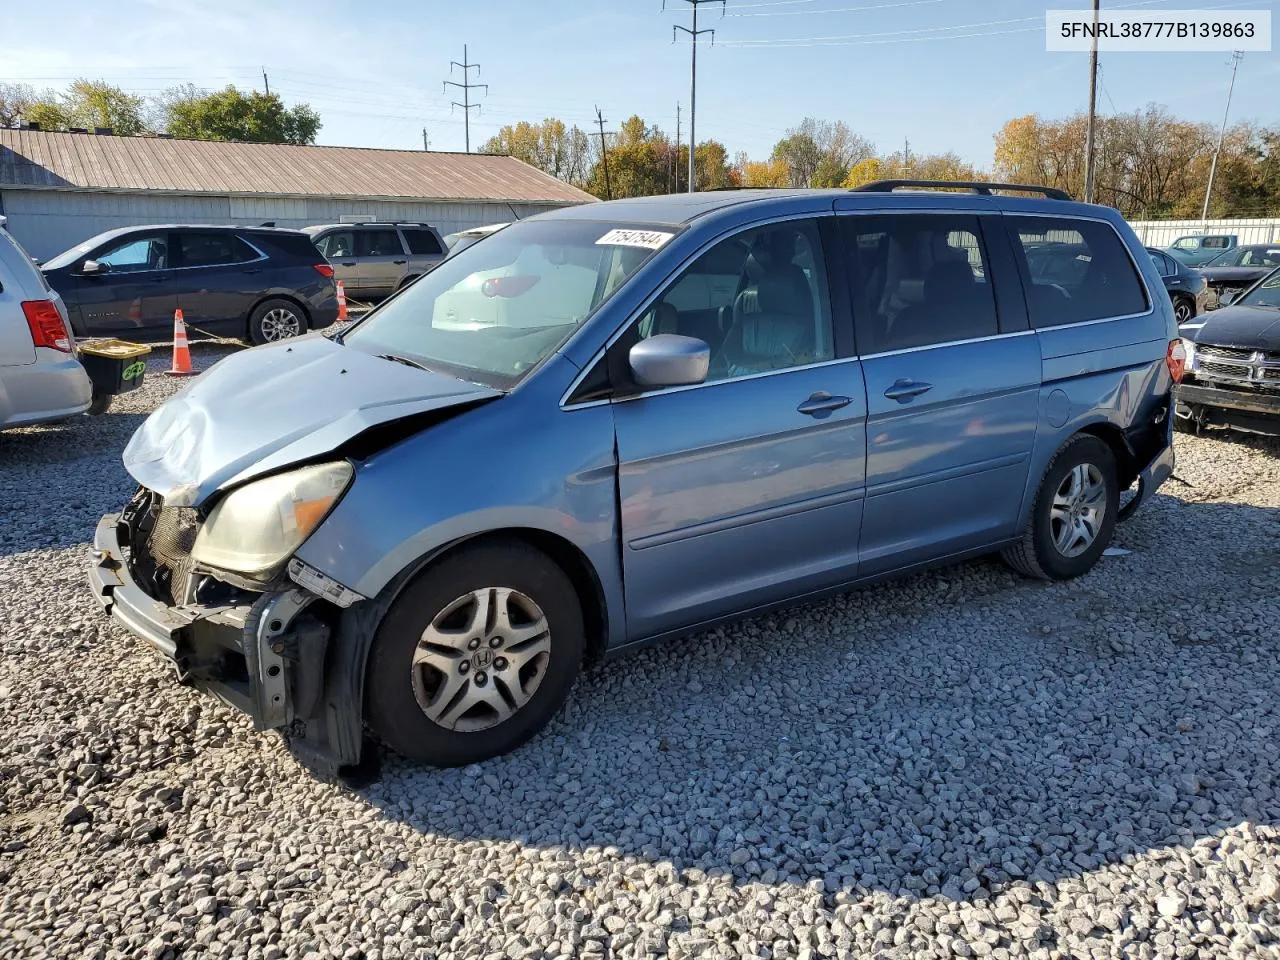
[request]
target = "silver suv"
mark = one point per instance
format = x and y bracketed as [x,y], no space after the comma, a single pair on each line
[374,260]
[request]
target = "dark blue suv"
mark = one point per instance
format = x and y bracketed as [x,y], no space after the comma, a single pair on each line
[260,283]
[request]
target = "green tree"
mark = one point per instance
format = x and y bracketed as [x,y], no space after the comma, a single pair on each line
[20,101]
[563,152]
[96,103]
[234,115]
[819,153]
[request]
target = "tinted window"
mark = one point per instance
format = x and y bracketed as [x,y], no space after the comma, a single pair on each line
[1163,264]
[213,249]
[1079,270]
[1260,257]
[336,245]
[1214,243]
[377,243]
[137,253]
[1265,294]
[423,242]
[919,280]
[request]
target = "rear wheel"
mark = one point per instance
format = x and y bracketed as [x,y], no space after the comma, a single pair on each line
[100,404]
[1074,514]
[1183,310]
[276,319]
[408,280]
[476,656]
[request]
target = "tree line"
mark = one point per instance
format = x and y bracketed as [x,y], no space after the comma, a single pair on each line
[1150,164]
[184,111]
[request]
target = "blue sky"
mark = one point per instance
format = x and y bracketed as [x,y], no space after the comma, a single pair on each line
[944,73]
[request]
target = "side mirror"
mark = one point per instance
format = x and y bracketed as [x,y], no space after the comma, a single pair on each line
[670,360]
[92,267]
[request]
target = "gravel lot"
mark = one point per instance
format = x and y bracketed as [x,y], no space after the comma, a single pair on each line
[961,764]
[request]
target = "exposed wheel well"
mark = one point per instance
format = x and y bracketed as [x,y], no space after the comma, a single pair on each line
[565,555]
[1113,437]
[408,280]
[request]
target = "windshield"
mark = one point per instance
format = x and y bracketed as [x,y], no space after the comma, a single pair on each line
[1264,294]
[67,257]
[1228,258]
[493,311]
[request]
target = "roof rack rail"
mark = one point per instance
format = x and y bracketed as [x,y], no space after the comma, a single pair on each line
[973,186]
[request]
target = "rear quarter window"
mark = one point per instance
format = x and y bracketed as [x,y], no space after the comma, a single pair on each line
[1076,271]
[423,243]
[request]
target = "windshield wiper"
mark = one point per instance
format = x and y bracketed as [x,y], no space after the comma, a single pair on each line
[396,358]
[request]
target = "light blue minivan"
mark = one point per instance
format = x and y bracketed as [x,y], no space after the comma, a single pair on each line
[623,421]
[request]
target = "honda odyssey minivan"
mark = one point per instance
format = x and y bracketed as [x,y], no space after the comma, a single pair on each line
[618,422]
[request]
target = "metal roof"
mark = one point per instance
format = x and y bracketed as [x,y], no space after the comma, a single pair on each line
[86,161]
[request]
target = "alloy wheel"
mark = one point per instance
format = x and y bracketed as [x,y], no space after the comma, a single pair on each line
[1079,505]
[280,324]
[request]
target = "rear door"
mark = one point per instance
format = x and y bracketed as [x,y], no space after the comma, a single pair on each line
[382,259]
[134,295]
[425,249]
[339,248]
[217,276]
[745,489]
[952,376]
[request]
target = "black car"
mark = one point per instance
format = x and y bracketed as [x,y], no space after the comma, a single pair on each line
[260,283]
[1188,290]
[1233,364]
[1236,270]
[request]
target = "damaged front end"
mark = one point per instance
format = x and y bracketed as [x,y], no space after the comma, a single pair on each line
[260,647]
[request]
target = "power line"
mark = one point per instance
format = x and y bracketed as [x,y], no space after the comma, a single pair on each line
[871,6]
[693,33]
[1236,57]
[466,86]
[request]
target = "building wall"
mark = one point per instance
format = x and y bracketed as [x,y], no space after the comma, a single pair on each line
[47,222]
[1162,233]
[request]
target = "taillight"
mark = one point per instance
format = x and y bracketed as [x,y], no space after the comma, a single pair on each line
[47,328]
[1175,358]
[508,286]
[323,269]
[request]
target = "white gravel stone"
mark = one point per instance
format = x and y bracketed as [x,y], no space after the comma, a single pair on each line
[957,764]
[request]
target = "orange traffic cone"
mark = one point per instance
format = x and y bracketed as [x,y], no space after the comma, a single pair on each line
[181,352]
[342,303]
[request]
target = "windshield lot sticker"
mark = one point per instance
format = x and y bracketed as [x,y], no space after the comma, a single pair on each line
[649,239]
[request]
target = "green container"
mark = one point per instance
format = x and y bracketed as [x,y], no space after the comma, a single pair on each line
[114,366]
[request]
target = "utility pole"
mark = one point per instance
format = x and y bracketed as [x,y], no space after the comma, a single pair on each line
[694,33]
[1213,167]
[466,87]
[1093,110]
[265,82]
[426,144]
[604,156]
[906,156]
[676,162]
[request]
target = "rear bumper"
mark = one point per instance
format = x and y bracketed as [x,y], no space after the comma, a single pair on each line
[49,389]
[1256,412]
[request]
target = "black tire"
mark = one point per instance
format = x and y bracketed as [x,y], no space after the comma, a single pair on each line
[100,404]
[1183,310]
[392,704]
[1037,555]
[272,320]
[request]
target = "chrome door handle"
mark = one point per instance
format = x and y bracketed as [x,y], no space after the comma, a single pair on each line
[904,391]
[823,404]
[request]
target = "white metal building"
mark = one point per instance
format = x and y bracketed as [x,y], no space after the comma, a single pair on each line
[58,189]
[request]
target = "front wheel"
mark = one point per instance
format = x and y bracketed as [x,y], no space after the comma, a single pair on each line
[276,319]
[1074,514]
[475,656]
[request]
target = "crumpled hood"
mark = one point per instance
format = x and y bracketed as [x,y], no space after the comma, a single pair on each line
[266,408]
[1256,327]
[1233,275]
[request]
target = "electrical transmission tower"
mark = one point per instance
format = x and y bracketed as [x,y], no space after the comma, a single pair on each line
[466,86]
[694,33]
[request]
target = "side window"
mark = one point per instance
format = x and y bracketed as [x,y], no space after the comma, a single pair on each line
[213,249]
[137,254]
[1185,243]
[1215,243]
[919,279]
[378,243]
[1079,270]
[423,243]
[336,245]
[758,299]
[1164,266]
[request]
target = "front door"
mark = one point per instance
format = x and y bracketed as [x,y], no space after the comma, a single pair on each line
[953,378]
[746,489]
[382,260]
[217,278]
[133,295]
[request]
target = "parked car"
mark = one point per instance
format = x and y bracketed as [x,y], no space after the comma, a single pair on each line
[262,283]
[762,397]
[1236,270]
[1188,290]
[1233,364]
[456,242]
[374,260]
[1197,250]
[40,378]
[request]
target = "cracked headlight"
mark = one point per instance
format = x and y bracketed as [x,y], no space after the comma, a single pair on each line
[258,526]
